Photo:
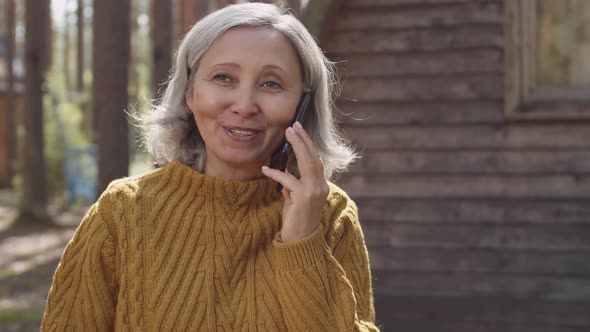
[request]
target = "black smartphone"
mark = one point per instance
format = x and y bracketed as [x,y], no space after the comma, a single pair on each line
[281,156]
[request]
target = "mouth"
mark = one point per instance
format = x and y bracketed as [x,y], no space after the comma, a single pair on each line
[240,133]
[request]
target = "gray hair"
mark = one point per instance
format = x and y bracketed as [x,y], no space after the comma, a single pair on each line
[170,132]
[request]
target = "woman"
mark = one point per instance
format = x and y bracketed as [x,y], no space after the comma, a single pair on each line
[206,242]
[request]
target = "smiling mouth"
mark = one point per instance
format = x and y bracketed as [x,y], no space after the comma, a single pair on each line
[242,133]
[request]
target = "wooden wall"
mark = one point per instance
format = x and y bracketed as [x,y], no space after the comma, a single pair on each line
[473,223]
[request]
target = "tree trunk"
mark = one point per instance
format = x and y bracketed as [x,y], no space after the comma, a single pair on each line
[80,48]
[66,49]
[295,5]
[134,56]
[162,44]
[222,3]
[109,92]
[33,206]
[190,12]
[11,96]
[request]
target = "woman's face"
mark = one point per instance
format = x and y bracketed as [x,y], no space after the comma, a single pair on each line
[246,89]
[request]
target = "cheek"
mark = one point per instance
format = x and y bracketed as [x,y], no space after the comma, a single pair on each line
[278,123]
[281,111]
[278,120]
[205,106]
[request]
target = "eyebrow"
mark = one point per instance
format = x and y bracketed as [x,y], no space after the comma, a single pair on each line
[235,65]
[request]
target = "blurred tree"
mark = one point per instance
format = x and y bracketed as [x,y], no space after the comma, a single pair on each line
[66,50]
[11,96]
[161,33]
[33,207]
[189,12]
[140,63]
[295,5]
[222,3]
[133,72]
[111,50]
[80,47]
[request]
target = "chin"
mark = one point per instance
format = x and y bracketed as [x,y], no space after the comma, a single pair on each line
[237,158]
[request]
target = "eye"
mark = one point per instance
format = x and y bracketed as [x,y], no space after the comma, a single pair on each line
[272,85]
[223,78]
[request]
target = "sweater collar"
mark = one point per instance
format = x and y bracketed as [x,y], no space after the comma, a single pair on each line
[231,191]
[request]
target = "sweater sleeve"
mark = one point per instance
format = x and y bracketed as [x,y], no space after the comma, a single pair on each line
[324,280]
[84,288]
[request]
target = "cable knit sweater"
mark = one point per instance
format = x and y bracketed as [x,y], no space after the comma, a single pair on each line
[177,250]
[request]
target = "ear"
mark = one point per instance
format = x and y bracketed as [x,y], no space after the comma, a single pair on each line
[189,100]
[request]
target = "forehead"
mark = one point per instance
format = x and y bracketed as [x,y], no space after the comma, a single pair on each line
[253,46]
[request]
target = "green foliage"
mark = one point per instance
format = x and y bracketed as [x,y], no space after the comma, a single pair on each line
[64,129]
[67,114]
[20,315]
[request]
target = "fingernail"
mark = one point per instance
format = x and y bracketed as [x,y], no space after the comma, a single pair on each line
[264,167]
[298,125]
[291,131]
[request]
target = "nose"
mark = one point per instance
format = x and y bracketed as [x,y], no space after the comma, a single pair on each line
[244,102]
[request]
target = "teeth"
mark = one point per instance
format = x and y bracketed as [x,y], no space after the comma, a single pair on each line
[241,132]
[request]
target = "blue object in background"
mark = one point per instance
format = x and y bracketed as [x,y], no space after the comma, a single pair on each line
[81,171]
[79,163]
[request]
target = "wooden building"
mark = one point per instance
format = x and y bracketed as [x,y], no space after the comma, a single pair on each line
[474,186]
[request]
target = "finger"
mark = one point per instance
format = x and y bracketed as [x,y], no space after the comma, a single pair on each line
[286,194]
[307,140]
[305,163]
[288,181]
[311,147]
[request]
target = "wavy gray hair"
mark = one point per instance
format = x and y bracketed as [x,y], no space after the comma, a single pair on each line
[169,129]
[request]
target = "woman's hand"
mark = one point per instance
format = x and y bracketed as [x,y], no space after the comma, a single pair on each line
[304,197]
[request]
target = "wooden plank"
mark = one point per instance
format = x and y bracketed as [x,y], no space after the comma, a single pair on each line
[445,236]
[370,42]
[456,87]
[475,162]
[476,186]
[474,211]
[352,113]
[418,17]
[542,136]
[529,287]
[447,62]
[484,309]
[556,110]
[455,260]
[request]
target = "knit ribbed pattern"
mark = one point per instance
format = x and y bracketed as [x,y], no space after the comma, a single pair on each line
[176,250]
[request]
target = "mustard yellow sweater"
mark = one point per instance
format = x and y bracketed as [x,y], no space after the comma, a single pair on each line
[176,250]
